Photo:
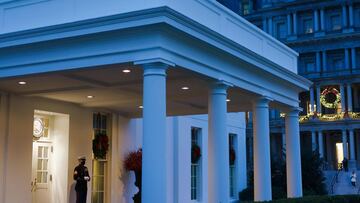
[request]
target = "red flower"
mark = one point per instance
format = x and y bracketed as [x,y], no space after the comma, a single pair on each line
[195,153]
[232,156]
[133,161]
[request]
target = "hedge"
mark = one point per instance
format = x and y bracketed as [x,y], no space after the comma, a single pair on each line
[321,199]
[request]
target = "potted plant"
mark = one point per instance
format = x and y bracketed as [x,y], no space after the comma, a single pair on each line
[133,162]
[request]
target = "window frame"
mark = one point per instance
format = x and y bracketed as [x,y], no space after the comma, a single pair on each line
[195,193]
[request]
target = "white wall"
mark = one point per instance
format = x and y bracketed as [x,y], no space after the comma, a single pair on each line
[18,154]
[3,132]
[179,147]
[60,158]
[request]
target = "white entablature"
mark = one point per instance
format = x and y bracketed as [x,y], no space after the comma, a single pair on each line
[31,14]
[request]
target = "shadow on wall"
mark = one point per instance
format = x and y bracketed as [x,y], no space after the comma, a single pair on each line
[72,193]
[128,178]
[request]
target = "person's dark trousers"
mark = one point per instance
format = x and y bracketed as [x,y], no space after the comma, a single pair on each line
[81,196]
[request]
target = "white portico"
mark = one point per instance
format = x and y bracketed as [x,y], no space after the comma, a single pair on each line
[229,65]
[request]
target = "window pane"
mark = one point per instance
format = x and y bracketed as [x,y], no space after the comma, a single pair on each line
[38,177]
[45,164]
[44,180]
[308,26]
[39,164]
[46,150]
[40,151]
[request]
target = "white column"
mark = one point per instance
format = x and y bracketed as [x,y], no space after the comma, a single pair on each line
[271,26]
[345,146]
[322,19]
[155,156]
[295,23]
[324,62]
[353,58]
[351,16]
[344,16]
[321,144]
[313,140]
[318,62]
[283,139]
[352,144]
[265,24]
[219,186]
[342,95]
[293,158]
[262,169]
[289,24]
[312,100]
[318,104]
[316,20]
[349,97]
[347,61]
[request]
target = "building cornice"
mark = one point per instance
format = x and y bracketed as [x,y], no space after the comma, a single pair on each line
[148,17]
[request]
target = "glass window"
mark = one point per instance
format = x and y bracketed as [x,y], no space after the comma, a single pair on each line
[246,8]
[310,66]
[232,172]
[98,181]
[335,22]
[98,192]
[338,63]
[308,26]
[195,164]
[280,30]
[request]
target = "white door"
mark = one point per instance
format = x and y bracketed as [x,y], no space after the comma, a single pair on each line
[41,187]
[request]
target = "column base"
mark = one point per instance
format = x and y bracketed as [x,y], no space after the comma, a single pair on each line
[352,165]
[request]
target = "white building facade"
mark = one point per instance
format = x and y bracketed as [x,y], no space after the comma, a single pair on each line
[165,75]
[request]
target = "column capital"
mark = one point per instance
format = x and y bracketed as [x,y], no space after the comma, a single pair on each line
[262,102]
[154,61]
[293,112]
[156,66]
[220,87]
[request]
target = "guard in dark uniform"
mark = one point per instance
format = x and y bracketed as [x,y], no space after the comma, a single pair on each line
[81,175]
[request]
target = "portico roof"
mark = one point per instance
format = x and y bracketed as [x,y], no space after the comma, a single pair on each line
[222,46]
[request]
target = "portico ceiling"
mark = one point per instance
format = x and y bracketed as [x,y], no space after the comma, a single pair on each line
[114,90]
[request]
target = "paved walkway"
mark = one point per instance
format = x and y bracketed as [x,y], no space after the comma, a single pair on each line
[343,186]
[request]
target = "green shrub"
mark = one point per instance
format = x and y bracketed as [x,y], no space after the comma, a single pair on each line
[321,199]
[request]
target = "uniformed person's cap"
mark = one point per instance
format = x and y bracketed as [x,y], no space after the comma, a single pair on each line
[81,158]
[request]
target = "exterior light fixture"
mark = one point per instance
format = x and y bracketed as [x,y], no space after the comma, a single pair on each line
[22,83]
[185,88]
[126,71]
[141,107]
[90,96]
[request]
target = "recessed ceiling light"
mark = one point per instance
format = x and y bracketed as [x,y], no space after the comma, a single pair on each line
[228,100]
[22,83]
[141,107]
[126,71]
[185,88]
[90,96]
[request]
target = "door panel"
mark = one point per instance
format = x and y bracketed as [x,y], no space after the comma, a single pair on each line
[41,173]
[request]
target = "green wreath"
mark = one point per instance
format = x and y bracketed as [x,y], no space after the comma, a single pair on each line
[330,98]
[100,145]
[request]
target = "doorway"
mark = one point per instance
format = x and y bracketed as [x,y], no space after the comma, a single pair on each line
[50,157]
[339,154]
